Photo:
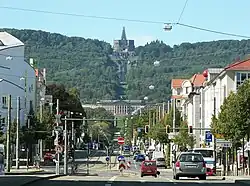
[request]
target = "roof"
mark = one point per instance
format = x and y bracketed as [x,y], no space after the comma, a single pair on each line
[9,40]
[177,83]
[198,80]
[239,65]
[177,96]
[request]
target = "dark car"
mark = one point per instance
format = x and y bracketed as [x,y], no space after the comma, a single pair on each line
[140,158]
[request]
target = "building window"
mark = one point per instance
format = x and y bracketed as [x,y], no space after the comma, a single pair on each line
[241,77]
[178,91]
[186,90]
[4,101]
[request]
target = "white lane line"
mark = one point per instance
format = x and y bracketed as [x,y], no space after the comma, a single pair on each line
[113,178]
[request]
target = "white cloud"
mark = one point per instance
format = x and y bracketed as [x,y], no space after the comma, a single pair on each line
[142,40]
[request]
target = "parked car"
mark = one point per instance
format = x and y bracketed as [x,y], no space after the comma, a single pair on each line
[189,164]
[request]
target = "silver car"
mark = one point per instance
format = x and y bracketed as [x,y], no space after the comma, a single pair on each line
[189,164]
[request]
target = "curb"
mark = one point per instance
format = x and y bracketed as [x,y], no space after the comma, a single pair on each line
[40,179]
[24,173]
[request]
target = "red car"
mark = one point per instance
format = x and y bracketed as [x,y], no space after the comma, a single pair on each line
[149,168]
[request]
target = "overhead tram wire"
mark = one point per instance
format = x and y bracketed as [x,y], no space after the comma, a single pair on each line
[124,19]
[82,15]
[213,31]
[183,9]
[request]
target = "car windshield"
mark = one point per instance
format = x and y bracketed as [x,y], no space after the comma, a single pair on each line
[191,158]
[205,153]
[150,163]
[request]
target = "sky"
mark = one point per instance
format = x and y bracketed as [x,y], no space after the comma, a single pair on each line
[221,15]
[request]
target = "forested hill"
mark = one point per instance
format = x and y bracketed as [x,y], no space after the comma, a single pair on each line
[85,63]
[178,61]
[73,61]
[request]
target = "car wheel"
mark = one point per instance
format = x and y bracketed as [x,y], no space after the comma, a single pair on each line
[177,177]
[203,177]
[155,175]
[142,175]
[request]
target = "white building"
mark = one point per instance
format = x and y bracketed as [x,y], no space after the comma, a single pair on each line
[17,78]
[219,85]
[207,95]
[178,93]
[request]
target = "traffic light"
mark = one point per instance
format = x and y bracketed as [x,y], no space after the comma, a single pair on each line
[167,129]
[146,128]
[190,129]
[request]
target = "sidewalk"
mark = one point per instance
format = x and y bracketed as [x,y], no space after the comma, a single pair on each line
[23,171]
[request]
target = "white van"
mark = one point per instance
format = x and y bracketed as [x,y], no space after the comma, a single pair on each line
[159,157]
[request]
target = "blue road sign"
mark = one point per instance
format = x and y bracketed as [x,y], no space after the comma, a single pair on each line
[107,158]
[121,158]
[208,136]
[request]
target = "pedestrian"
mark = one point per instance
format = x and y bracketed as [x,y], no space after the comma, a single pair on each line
[37,161]
[1,163]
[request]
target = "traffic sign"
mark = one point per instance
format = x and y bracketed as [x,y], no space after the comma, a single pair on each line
[120,158]
[223,143]
[107,158]
[208,136]
[58,118]
[120,140]
[58,149]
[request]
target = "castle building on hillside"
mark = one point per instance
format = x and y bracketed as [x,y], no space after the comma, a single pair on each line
[124,45]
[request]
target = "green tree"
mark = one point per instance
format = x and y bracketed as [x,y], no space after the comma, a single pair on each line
[183,139]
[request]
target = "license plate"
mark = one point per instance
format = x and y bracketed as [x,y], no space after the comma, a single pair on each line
[191,166]
[149,171]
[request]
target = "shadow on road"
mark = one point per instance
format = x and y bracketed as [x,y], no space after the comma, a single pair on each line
[119,183]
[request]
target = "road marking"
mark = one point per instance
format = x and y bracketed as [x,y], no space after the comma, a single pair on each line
[113,178]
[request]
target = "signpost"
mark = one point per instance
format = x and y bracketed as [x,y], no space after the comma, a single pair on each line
[107,158]
[121,140]
[223,143]
[208,137]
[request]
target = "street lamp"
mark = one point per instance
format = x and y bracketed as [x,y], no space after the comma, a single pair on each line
[51,108]
[157,63]
[151,87]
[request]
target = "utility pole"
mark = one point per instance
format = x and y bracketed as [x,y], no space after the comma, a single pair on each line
[57,137]
[8,135]
[17,131]
[163,110]
[65,147]
[174,107]
[168,106]
[215,155]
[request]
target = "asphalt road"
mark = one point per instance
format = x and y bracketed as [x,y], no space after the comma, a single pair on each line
[130,177]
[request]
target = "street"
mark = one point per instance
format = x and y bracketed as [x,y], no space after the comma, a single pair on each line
[130,177]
